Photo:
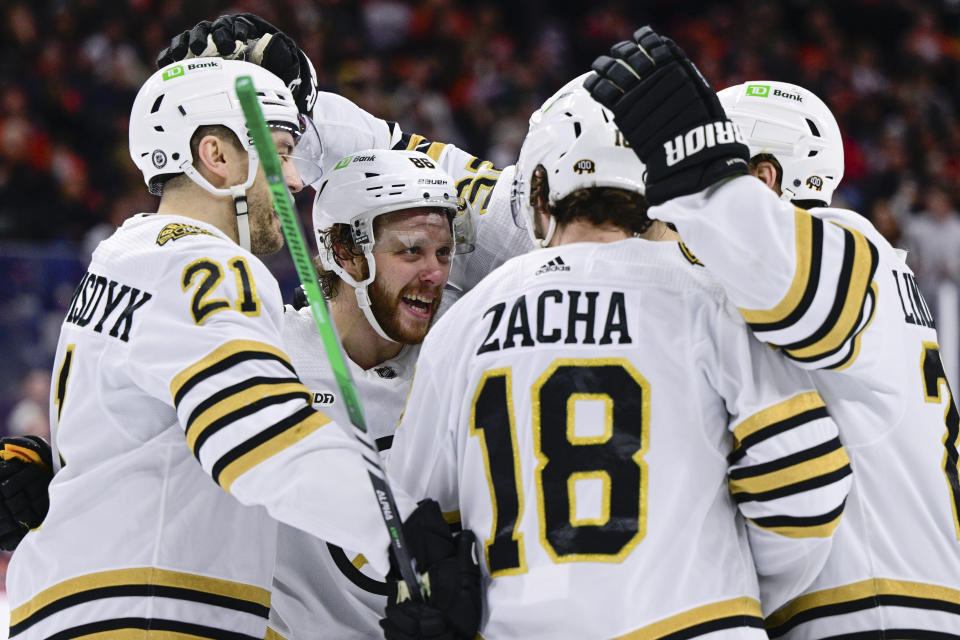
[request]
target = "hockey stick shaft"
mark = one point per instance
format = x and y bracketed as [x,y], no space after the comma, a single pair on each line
[283,205]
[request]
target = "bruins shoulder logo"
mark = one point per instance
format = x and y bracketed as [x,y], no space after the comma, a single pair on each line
[815,182]
[584,166]
[177,230]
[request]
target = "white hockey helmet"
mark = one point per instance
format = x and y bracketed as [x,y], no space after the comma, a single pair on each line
[183,96]
[579,146]
[370,183]
[797,128]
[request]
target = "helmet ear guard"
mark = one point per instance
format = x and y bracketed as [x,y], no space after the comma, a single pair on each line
[576,142]
[794,126]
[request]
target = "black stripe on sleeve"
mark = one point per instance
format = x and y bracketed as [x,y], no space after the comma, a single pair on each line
[141,590]
[870,602]
[223,394]
[252,443]
[730,622]
[149,624]
[222,365]
[786,461]
[854,329]
[243,412]
[797,487]
[771,522]
[840,294]
[384,443]
[813,281]
[776,429]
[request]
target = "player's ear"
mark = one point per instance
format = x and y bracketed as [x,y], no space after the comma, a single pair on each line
[213,156]
[767,173]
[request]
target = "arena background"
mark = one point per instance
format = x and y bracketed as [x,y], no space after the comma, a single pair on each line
[469,73]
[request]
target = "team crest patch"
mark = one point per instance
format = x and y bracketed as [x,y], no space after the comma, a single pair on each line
[159,158]
[177,230]
[585,166]
[815,182]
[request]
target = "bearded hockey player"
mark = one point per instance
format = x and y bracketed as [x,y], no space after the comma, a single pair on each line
[388,226]
[599,417]
[170,380]
[828,290]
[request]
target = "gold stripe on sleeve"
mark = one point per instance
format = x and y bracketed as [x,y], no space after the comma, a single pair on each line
[743,606]
[271,447]
[223,352]
[853,302]
[822,465]
[140,576]
[238,400]
[777,413]
[803,226]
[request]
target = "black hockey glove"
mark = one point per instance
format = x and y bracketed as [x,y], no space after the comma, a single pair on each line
[669,114]
[25,473]
[450,576]
[245,36]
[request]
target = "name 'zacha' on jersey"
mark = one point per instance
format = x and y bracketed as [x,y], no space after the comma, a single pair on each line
[599,427]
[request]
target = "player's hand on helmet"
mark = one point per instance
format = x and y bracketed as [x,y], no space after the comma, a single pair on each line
[245,36]
[669,114]
[450,576]
[25,473]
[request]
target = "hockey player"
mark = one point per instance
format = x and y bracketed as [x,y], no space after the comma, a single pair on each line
[383,221]
[173,332]
[823,286]
[598,415]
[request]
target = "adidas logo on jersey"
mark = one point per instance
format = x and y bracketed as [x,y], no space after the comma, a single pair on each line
[556,264]
[699,138]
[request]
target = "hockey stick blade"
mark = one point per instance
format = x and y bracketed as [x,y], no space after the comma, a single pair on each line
[283,205]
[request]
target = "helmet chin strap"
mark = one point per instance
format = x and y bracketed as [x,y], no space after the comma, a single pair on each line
[545,242]
[363,296]
[239,194]
[363,301]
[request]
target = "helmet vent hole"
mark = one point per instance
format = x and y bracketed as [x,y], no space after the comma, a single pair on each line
[157,127]
[812,153]
[426,195]
[370,175]
[175,156]
[379,186]
[576,129]
[813,128]
[395,193]
[156,104]
[398,186]
[796,183]
[183,111]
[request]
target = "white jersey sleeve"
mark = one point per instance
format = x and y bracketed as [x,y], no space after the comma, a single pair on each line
[246,415]
[816,294]
[789,473]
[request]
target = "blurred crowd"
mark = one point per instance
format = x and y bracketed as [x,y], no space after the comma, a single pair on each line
[469,73]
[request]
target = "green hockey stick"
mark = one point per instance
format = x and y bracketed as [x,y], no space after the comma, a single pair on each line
[283,205]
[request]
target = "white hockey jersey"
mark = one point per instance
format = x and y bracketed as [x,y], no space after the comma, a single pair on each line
[169,380]
[599,414]
[320,590]
[827,289]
